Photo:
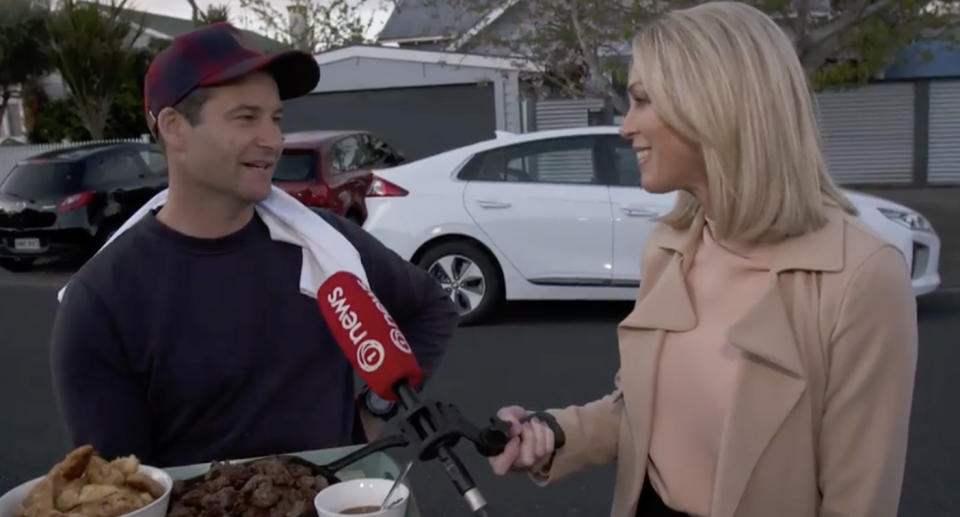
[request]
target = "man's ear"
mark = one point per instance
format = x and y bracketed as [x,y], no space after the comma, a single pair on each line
[171,126]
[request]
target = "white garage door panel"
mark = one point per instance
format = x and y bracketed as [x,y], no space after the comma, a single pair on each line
[944,148]
[868,133]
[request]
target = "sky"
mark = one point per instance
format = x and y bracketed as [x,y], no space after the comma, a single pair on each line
[181,9]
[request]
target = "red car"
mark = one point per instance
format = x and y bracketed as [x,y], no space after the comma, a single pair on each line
[333,169]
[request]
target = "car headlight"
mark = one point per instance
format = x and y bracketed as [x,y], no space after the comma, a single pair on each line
[911,220]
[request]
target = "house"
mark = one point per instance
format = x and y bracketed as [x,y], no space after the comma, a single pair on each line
[421,101]
[933,70]
[426,88]
[900,129]
[155,27]
[161,27]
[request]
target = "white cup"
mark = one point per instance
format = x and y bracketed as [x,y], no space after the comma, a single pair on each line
[336,498]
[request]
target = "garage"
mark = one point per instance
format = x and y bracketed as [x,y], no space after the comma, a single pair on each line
[414,120]
[405,96]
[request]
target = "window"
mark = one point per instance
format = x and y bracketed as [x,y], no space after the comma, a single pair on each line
[374,155]
[35,179]
[112,169]
[295,167]
[380,152]
[348,154]
[155,162]
[625,170]
[558,160]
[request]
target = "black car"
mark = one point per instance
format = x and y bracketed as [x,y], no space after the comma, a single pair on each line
[64,204]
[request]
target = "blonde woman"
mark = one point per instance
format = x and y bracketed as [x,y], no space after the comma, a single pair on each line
[767,367]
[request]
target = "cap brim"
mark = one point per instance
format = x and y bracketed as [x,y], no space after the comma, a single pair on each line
[296,73]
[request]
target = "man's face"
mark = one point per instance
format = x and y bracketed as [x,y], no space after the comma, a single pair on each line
[234,148]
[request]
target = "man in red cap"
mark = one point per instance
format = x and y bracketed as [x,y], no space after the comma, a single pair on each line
[187,339]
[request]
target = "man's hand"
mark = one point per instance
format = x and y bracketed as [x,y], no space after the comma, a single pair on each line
[531,444]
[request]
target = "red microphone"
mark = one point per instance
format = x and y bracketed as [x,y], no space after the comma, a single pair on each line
[368,335]
[379,352]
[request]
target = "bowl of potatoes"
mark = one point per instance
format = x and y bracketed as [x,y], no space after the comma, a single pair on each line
[86,485]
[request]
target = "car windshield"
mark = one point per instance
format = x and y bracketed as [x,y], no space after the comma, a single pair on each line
[43,179]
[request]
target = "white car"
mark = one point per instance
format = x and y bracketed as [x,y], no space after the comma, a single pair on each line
[555,215]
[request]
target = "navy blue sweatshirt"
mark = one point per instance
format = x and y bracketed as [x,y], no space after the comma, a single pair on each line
[184,350]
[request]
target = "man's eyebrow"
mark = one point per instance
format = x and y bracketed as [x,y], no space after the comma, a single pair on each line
[243,107]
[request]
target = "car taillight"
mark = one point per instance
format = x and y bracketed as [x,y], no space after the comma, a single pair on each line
[380,187]
[76,201]
[316,195]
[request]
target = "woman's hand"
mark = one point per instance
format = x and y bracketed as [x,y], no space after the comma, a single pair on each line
[531,443]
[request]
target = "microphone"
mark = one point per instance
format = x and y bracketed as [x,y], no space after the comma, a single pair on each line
[367,334]
[380,354]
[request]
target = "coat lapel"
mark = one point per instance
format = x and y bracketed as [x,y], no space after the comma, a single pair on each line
[771,376]
[639,354]
[770,381]
[665,306]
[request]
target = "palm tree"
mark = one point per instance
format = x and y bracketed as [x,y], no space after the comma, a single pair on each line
[92,47]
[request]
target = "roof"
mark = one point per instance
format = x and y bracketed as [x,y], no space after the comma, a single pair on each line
[81,152]
[503,138]
[433,20]
[168,27]
[944,61]
[415,19]
[424,56]
[302,139]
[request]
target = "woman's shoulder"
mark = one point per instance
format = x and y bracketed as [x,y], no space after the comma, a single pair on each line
[871,267]
[861,243]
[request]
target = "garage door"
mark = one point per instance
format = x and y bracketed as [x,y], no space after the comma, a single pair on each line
[944,165]
[868,133]
[417,121]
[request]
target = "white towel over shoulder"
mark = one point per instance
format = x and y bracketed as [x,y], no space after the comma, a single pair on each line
[325,250]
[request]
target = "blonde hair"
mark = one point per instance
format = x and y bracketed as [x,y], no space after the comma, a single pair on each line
[724,75]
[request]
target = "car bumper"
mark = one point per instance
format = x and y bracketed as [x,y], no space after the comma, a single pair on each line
[924,255]
[53,243]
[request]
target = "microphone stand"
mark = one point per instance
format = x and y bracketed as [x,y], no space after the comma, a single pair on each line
[437,427]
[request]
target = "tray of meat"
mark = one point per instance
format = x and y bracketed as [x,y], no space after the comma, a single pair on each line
[275,486]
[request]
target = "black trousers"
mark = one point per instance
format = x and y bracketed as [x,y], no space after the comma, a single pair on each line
[651,505]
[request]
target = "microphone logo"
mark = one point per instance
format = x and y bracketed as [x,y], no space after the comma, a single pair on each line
[370,355]
[399,340]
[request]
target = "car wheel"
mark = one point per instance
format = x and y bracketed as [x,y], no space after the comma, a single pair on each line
[16,264]
[468,275]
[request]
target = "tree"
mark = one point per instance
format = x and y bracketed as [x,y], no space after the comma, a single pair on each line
[218,13]
[580,46]
[313,25]
[853,40]
[52,120]
[126,119]
[92,47]
[214,13]
[23,38]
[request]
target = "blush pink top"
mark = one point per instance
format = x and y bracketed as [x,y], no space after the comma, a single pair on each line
[696,373]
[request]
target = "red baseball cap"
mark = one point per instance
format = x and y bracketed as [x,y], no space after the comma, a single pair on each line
[215,54]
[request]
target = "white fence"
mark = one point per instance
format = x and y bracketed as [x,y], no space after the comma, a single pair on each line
[10,155]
